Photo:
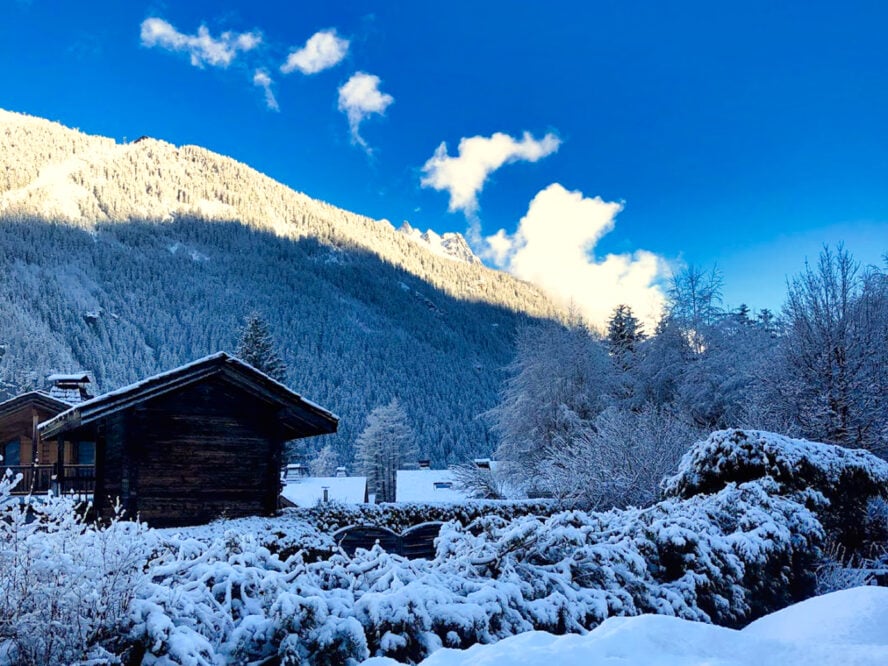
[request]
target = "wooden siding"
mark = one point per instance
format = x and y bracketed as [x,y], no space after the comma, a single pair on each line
[204,451]
[22,425]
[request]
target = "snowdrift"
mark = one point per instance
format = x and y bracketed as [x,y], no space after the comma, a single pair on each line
[848,627]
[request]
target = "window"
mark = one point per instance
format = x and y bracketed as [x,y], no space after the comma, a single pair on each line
[84,453]
[12,453]
[443,485]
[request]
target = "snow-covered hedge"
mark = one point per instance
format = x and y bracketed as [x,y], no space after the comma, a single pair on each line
[283,535]
[835,482]
[308,530]
[725,558]
[331,516]
[252,590]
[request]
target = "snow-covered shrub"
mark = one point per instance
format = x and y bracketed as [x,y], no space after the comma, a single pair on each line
[724,558]
[283,535]
[835,482]
[234,601]
[330,516]
[65,584]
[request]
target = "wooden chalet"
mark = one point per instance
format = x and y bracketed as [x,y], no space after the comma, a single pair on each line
[190,445]
[64,466]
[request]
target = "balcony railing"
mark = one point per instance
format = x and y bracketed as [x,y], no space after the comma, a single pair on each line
[39,479]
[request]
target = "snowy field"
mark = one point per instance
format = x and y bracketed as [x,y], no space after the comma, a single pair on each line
[848,628]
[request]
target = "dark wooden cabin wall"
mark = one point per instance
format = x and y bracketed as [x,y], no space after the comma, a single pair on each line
[205,451]
[110,436]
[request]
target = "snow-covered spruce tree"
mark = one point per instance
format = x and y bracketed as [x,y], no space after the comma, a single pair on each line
[624,331]
[624,335]
[257,348]
[385,445]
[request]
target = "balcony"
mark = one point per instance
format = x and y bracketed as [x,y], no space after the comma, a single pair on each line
[62,479]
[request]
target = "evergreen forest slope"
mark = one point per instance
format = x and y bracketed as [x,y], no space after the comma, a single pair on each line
[128,259]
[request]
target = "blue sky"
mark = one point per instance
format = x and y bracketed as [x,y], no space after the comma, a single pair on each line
[745,134]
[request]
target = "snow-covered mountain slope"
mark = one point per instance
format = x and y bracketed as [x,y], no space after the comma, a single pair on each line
[128,259]
[60,174]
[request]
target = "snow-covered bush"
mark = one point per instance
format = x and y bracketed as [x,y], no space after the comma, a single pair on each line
[234,601]
[331,516]
[65,584]
[726,558]
[283,535]
[620,460]
[837,483]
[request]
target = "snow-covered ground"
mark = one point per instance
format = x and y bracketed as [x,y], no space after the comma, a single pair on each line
[847,628]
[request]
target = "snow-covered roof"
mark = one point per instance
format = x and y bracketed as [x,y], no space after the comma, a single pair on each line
[76,377]
[427,485]
[295,408]
[309,490]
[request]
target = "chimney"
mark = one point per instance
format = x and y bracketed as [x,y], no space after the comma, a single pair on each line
[425,464]
[70,388]
[341,471]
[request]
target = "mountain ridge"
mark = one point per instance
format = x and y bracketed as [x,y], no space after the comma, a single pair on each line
[100,163]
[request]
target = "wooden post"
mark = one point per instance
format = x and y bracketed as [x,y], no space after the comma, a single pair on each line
[59,485]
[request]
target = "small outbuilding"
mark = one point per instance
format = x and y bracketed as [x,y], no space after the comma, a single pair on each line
[187,446]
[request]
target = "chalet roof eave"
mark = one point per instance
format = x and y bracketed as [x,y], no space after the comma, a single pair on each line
[171,380]
[38,397]
[234,361]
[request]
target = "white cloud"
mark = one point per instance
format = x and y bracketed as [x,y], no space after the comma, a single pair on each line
[359,97]
[553,248]
[463,176]
[203,48]
[323,50]
[263,80]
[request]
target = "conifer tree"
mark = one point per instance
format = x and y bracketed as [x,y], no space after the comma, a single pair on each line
[384,446]
[257,348]
[624,330]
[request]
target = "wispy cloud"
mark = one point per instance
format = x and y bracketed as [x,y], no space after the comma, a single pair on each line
[553,248]
[203,48]
[323,50]
[464,175]
[359,98]
[263,80]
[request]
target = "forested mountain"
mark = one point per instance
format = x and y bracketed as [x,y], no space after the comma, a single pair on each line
[128,259]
